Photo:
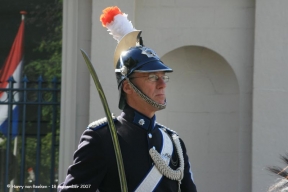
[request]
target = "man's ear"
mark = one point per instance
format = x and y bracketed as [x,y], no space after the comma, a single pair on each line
[126,88]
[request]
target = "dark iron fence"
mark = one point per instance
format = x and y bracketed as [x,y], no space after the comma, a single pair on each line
[29,145]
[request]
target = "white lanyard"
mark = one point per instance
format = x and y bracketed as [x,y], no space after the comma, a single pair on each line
[154,176]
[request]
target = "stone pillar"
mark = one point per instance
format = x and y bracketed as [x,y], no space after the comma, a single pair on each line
[270,94]
[75,79]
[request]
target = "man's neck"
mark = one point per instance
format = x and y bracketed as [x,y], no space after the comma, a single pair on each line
[147,111]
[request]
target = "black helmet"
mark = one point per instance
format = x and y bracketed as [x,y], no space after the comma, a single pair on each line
[137,59]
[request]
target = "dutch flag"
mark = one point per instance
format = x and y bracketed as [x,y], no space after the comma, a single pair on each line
[12,68]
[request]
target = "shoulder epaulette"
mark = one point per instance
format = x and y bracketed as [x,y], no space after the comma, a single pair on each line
[167,129]
[100,123]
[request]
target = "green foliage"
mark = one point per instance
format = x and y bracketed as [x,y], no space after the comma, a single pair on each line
[47,60]
[47,63]
[2,141]
[47,67]
[46,150]
[46,147]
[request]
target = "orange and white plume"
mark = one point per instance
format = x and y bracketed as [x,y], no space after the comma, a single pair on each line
[116,22]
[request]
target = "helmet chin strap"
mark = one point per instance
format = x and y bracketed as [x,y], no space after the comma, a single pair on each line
[146,98]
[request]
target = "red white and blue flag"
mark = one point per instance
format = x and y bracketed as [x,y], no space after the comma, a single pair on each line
[12,68]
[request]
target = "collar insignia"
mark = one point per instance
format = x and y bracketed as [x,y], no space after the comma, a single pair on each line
[141,122]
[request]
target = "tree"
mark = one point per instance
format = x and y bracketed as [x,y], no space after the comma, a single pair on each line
[49,17]
[43,37]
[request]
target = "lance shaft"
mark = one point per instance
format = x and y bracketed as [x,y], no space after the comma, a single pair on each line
[111,124]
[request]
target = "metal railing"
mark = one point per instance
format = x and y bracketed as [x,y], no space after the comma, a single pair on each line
[34,136]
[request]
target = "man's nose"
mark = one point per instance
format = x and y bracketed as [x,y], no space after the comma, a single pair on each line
[161,83]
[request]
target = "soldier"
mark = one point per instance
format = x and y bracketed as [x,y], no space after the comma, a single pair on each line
[154,157]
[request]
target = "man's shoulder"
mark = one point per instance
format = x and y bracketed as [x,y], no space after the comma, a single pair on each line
[100,123]
[166,129]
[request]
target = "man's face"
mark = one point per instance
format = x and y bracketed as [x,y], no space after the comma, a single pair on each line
[153,89]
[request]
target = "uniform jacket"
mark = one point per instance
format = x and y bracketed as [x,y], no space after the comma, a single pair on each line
[95,166]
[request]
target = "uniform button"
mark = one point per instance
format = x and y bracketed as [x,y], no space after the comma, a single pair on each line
[141,122]
[150,135]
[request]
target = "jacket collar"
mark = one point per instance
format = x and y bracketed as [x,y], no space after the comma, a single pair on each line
[137,118]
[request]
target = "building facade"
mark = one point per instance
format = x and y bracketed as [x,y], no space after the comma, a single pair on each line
[228,94]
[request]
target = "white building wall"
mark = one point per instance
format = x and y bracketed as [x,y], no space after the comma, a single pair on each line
[270,93]
[75,79]
[203,107]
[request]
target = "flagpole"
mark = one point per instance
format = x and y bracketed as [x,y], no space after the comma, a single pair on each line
[23,13]
[22,167]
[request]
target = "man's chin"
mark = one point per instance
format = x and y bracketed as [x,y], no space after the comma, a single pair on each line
[161,101]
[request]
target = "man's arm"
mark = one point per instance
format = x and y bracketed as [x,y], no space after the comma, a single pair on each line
[187,183]
[88,168]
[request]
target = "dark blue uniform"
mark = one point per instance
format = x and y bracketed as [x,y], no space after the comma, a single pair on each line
[95,166]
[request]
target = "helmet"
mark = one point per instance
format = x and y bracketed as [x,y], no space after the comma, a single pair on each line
[137,59]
